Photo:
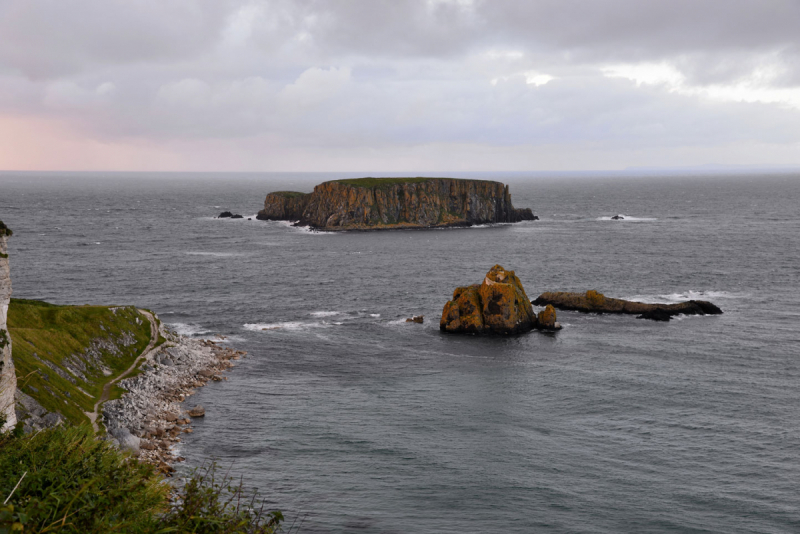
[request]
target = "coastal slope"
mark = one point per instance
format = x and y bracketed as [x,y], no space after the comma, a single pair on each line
[66,355]
[390,203]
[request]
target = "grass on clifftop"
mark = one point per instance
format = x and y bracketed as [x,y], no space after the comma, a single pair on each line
[388,182]
[5,230]
[289,194]
[65,354]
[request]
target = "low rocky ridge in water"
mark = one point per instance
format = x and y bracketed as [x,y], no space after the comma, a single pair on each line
[389,203]
[594,302]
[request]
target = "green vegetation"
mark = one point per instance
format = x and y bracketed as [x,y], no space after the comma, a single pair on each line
[5,230]
[64,480]
[380,182]
[370,182]
[289,194]
[65,354]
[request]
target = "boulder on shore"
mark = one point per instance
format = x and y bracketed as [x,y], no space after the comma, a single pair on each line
[595,302]
[197,411]
[499,305]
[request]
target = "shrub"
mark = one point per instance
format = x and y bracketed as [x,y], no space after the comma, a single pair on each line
[76,484]
[5,230]
[64,480]
[210,504]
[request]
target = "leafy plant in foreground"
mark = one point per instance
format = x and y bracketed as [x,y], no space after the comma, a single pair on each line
[210,504]
[64,480]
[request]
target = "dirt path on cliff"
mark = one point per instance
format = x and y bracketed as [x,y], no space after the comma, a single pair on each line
[107,387]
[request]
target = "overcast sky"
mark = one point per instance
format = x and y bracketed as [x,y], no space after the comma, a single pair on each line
[397,85]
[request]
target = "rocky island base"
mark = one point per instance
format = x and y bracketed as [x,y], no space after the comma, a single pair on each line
[395,203]
[149,419]
[594,302]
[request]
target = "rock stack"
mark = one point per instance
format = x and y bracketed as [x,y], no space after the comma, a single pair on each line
[499,305]
[8,379]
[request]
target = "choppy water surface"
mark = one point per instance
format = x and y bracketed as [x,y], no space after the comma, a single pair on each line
[351,420]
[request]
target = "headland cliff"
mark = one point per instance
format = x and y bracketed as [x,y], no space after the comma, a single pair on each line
[395,203]
[8,379]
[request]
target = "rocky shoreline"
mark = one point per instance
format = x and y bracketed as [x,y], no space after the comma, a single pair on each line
[149,418]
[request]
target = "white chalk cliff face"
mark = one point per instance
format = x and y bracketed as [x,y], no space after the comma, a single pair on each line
[8,379]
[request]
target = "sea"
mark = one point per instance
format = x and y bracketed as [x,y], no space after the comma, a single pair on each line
[349,419]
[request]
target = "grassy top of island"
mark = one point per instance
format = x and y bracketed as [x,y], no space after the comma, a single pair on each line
[371,182]
[288,194]
[64,355]
[5,230]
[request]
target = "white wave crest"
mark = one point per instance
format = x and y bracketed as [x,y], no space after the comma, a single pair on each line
[189,330]
[302,229]
[687,295]
[325,313]
[215,254]
[288,326]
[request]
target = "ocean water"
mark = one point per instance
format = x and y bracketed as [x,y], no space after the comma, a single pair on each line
[351,420]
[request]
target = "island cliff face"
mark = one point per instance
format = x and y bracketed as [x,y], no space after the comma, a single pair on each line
[386,203]
[8,378]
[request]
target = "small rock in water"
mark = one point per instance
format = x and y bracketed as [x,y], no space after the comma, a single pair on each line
[618,218]
[416,319]
[237,216]
[546,320]
[224,215]
[197,411]
[656,315]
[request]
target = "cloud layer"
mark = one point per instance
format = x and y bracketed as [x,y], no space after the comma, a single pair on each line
[397,85]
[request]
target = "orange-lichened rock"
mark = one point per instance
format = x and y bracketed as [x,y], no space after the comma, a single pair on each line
[497,306]
[547,319]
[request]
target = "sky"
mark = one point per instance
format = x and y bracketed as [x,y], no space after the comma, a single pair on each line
[397,85]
